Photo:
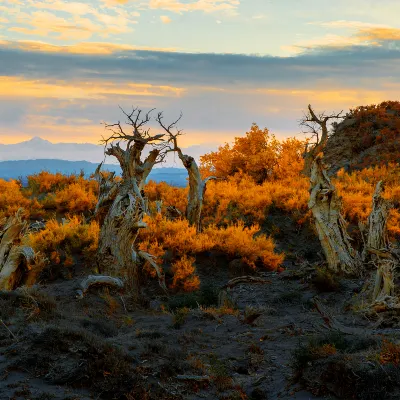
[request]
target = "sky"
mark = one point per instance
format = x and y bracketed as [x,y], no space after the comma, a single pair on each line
[67,66]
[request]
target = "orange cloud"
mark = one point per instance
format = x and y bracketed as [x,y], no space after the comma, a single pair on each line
[366,35]
[79,48]
[82,21]
[165,19]
[18,87]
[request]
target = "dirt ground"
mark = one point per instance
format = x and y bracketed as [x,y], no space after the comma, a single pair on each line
[54,346]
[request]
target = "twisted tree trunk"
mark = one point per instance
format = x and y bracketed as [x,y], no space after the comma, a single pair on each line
[197,189]
[122,205]
[377,248]
[197,185]
[330,224]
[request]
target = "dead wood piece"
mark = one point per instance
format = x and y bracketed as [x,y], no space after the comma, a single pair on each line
[16,265]
[95,280]
[172,213]
[245,279]
[161,277]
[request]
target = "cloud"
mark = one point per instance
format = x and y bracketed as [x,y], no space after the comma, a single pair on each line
[207,6]
[16,87]
[349,65]
[165,19]
[70,91]
[364,34]
[84,48]
[72,20]
[348,24]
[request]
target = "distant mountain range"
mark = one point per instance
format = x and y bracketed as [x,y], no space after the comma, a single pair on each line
[22,168]
[37,154]
[38,148]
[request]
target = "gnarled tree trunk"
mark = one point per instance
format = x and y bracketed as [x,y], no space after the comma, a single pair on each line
[330,224]
[197,189]
[121,205]
[377,248]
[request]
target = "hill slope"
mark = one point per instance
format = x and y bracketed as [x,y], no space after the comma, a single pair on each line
[368,136]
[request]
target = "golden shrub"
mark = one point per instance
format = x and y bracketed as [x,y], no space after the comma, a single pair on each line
[184,274]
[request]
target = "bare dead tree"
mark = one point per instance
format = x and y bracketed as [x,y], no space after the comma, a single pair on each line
[317,126]
[121,205]
[197,185]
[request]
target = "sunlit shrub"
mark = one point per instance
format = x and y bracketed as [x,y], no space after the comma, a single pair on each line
[170,195]
[184,274]
[76,198]
[45,182]
[236,241]
[357,189]
[12,198]
[239,241]
[59,242]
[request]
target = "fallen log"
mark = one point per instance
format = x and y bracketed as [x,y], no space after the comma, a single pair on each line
[97,280]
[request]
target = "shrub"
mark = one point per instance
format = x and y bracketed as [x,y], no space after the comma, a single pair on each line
[11,199]
[184,274]
[59,241]
[76,198]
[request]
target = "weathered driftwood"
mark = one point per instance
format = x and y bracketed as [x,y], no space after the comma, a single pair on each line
[330,224]
[14,258]
[98,280]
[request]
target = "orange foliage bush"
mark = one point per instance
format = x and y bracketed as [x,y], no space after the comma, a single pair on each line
[62,240]
[45,182]
[235,240]
[357,188]
[239,241]
[12,198]
[77,197]
[236,199]
[72,194]
[184,274]
[170,196]
[259,154]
